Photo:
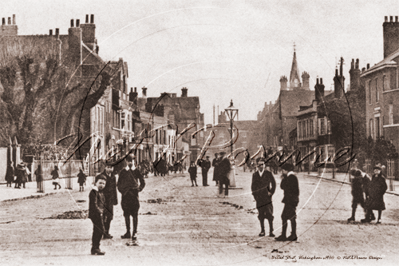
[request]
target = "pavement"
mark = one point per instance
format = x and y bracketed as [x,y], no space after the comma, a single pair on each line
[393,185]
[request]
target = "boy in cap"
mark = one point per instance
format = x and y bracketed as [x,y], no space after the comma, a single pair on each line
[205,165]
[263,187]
[96,209]
[289,184]
[111,197]
[192,170]
[358,183]
[130,183]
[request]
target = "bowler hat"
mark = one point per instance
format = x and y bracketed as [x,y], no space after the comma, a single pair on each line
[377,167]
[287,167]
[222,153]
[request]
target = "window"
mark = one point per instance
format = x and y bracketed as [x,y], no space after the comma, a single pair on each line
[122,120]
[377,98]
[129,123]
[322,126]
[391,114]
[383,83]
[369,90]
[328,126]
[311,128]
[377,127]
[164,137]
[371,129]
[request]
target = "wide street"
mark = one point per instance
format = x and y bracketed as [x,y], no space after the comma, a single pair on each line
[184,225]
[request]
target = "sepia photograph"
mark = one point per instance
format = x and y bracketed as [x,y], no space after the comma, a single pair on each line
[199,133]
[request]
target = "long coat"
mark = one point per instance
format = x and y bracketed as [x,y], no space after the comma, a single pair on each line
[291,189]
[215,164]
[21,174]
[260,187]
[376,190]
[224,169]
[109,190]
[10,174]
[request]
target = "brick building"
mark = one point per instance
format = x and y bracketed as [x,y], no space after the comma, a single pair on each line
[382,88]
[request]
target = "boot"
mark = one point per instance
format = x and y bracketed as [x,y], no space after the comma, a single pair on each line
[262,227]
[283,236]
[352,218]
[271,227]
[97,251]
[293,236]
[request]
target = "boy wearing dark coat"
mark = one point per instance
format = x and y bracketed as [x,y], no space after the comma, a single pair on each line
[81,179]
[224,168]
[289,184]
[215,163]
[130,183]
[111,198]
[205,165]
[96,210]
[359,184]
[263,187]
[376,190]
[192,170]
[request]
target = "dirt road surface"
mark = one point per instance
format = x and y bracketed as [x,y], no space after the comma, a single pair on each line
[184,225]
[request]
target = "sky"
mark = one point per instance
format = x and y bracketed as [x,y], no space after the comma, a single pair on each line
[220,50]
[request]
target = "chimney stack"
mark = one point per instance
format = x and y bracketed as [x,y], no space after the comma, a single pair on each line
[319,90]
[305,79]
[9,20]
[89,33]
[391,35]
[184,92]
[144,89]
[13,19]
[354,75]
[133,96]
[283,83]
[339,81]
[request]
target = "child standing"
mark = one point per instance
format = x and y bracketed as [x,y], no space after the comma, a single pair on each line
[192,170]
[358,189]
[56,178]
[81,179]
[96,209]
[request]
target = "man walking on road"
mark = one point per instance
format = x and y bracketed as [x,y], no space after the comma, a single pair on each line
[130,183]
[263,187]
[205,165]
[111,198]
[289,184]
[215,164]
[224,169]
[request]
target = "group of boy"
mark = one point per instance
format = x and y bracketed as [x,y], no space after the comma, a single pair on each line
[263,187]
[103,197]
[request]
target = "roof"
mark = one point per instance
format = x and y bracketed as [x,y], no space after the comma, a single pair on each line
[387,62]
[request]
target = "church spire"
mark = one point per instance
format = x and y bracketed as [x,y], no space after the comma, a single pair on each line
[294,76]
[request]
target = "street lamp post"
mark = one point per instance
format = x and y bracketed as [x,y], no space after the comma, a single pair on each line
[231,112]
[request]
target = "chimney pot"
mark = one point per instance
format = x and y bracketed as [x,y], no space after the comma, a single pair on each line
[357,63]
[71,23]
[57,32]
[391,19]
[317,81]
[321,80]
[368,66]
[92,19]
[3,21]
[51,32]
[144,89]
[87,18]
[9,20]
[386,18]
[396,18]
[363,69]
[135,89]
[13,19]
[184,92]
[77,22]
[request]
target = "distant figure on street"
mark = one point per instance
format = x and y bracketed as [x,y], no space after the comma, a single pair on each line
[130,183]
[22,176]
[263,187]
[81,180]
[215,164]
[359,187]
[39,178]
[289,184]
[376,190]
[161,166]
[10,174]
[96,210]
[192,170]
[205,166]
[111,198]
[56,178]
[224,169]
